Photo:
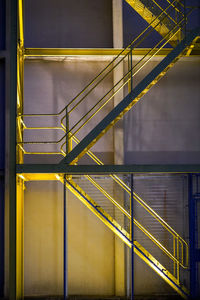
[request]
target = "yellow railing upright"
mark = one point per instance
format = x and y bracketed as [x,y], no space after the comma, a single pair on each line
[159,21]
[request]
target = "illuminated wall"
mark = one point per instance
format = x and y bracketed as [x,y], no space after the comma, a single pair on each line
[163,127]
[49,84]
[68,24]
[2,139]
[90,245]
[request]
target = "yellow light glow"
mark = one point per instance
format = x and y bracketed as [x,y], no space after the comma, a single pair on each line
[21,176]
[57,177]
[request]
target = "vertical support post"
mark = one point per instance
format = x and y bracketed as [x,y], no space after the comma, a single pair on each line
[12,100]
[178,265]
[131,68]
[65,279]
[2,219]
[20,238]
[67,131]
[65,267]
[192,242]
[185,19]
[174,253]
[2,146]
[19,158]
[120,250]
[132,240]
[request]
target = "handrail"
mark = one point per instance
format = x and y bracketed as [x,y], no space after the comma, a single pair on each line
[144,205]
[162,9]
[120,54]
[180,3]
[140,201]
[140,226]
[136,197]
[178,258]
[126,75]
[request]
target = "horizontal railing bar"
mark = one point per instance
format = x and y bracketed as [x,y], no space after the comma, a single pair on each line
[126,75]
[80,93]
[57,142]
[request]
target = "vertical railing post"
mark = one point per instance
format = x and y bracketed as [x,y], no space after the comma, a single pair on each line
[185,19]
[192,241]
[132,240]
[174,253]
[11,98]
[178,265]
[67,131]
[65,279]
[131,68]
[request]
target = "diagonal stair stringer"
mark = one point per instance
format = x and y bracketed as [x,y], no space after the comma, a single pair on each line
[158,17]
[139,250]
[130,100]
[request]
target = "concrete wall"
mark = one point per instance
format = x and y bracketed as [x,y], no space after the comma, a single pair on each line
[163,127]
[49,86]
[2,170]
[90,245]
[134,24]
[2,139]
[68,24]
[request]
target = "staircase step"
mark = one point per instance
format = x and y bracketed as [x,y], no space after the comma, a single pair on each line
[125,237]
[130,100]
[149,13]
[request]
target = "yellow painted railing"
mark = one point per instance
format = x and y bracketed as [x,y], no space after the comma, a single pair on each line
[179,255]
[69,133]
[66,113]
[122,233]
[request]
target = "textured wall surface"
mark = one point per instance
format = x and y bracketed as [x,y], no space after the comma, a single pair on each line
[49,86]
[68,24]
[2,139]
[164,125]
[90,245]
[2,168]
[162,128]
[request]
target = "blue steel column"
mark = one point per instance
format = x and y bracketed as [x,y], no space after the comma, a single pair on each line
[192,240]
[67,130]
[65,279]
[1,233]
[2,171]
[2,139]
[11,90]
[132,240]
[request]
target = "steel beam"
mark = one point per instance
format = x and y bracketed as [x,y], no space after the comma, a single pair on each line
[192,241]
[32,52]
[105,169]
[118,137]
[65,254]
[132,238]
[59,52]
[19,158]
[12,100]
[117,112]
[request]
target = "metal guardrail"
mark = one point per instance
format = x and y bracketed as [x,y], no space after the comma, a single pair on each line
[180,247]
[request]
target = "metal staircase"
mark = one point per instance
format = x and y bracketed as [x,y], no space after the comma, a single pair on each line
[127,103]
[162,15]
[88,130]
[172,279]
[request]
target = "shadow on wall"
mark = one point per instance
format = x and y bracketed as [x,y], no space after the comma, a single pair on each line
[49,86]
[68,24]
[163,127]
